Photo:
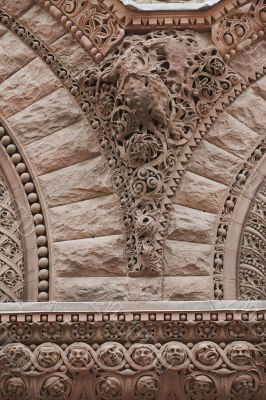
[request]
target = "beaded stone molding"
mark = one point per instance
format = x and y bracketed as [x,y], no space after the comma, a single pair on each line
[226,216]
[94,355]
[148,148]
[101,25]
[11,148]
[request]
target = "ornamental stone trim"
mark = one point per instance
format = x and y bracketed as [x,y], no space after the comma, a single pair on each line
[95,354]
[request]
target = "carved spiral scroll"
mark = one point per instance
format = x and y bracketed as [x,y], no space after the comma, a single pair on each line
[252,253]
[11,256]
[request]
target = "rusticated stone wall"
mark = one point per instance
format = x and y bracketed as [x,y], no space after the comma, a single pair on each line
[87,245]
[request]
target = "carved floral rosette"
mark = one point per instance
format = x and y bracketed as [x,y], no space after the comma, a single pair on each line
[147,117]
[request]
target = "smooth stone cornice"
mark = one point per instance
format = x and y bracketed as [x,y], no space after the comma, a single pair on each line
[165,6]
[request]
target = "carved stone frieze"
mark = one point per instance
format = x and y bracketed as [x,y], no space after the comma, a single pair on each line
[66,367]
[148,111]
[225,219]
[252,260]
[240,28]
[11,254]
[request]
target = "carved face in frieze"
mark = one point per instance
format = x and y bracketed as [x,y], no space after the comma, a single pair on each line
[111,355]
[240,354]
[201,387]
[15,388]
[79,357]
[48,357]
[148,386]
[174,354]
[109,387]
[207,354]
[55,387]
[243,387]
[143,355]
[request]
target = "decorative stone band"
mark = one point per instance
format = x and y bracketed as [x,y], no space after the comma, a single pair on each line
[91,354]
[233,27]
[38,223]
[235,193]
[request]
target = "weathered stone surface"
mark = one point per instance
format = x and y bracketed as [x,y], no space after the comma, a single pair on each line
[185,258]
[250,110]
[82,181]
[198,192]
[71,53]
[251,60]
[48,115]
[214,163]
[144,289]
[14,55]
[188,288]
[191,225]
[231,135]
[26,86]
[259,87]
[90,218]
[107,289]
[16,8]
[90,289]
[42,24]
[68,146]
[103,256]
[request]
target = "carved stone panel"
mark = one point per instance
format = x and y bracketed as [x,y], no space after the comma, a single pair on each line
[11,257]
[252,252]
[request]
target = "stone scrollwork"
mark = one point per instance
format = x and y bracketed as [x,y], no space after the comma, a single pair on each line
[148,111]
[252,257]
[11,255]
[240,28]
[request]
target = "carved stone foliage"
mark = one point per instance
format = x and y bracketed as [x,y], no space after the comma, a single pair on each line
[90,22]
[252,252]
[238,29]
[11,255]
[225,220]
[148,111]
[140,372]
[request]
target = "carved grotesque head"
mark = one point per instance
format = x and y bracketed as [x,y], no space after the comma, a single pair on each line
[48,357]
[148,386]
[55,387]
[111,355]
[243,387]
[240,354]
[201,387]
[79,357]
[174,354]
[109,387]
[15,388]
[143,355]
[207,354]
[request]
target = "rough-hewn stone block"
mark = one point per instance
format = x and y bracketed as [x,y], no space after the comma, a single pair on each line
[48,115]
[16,7]
[198,192]
[191,225]
[42,24]
[188,259]
[90,218]
[26,86]
[101,256]
[68,146]
[188,288]
[232,136]
[214,163]
[82,181]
